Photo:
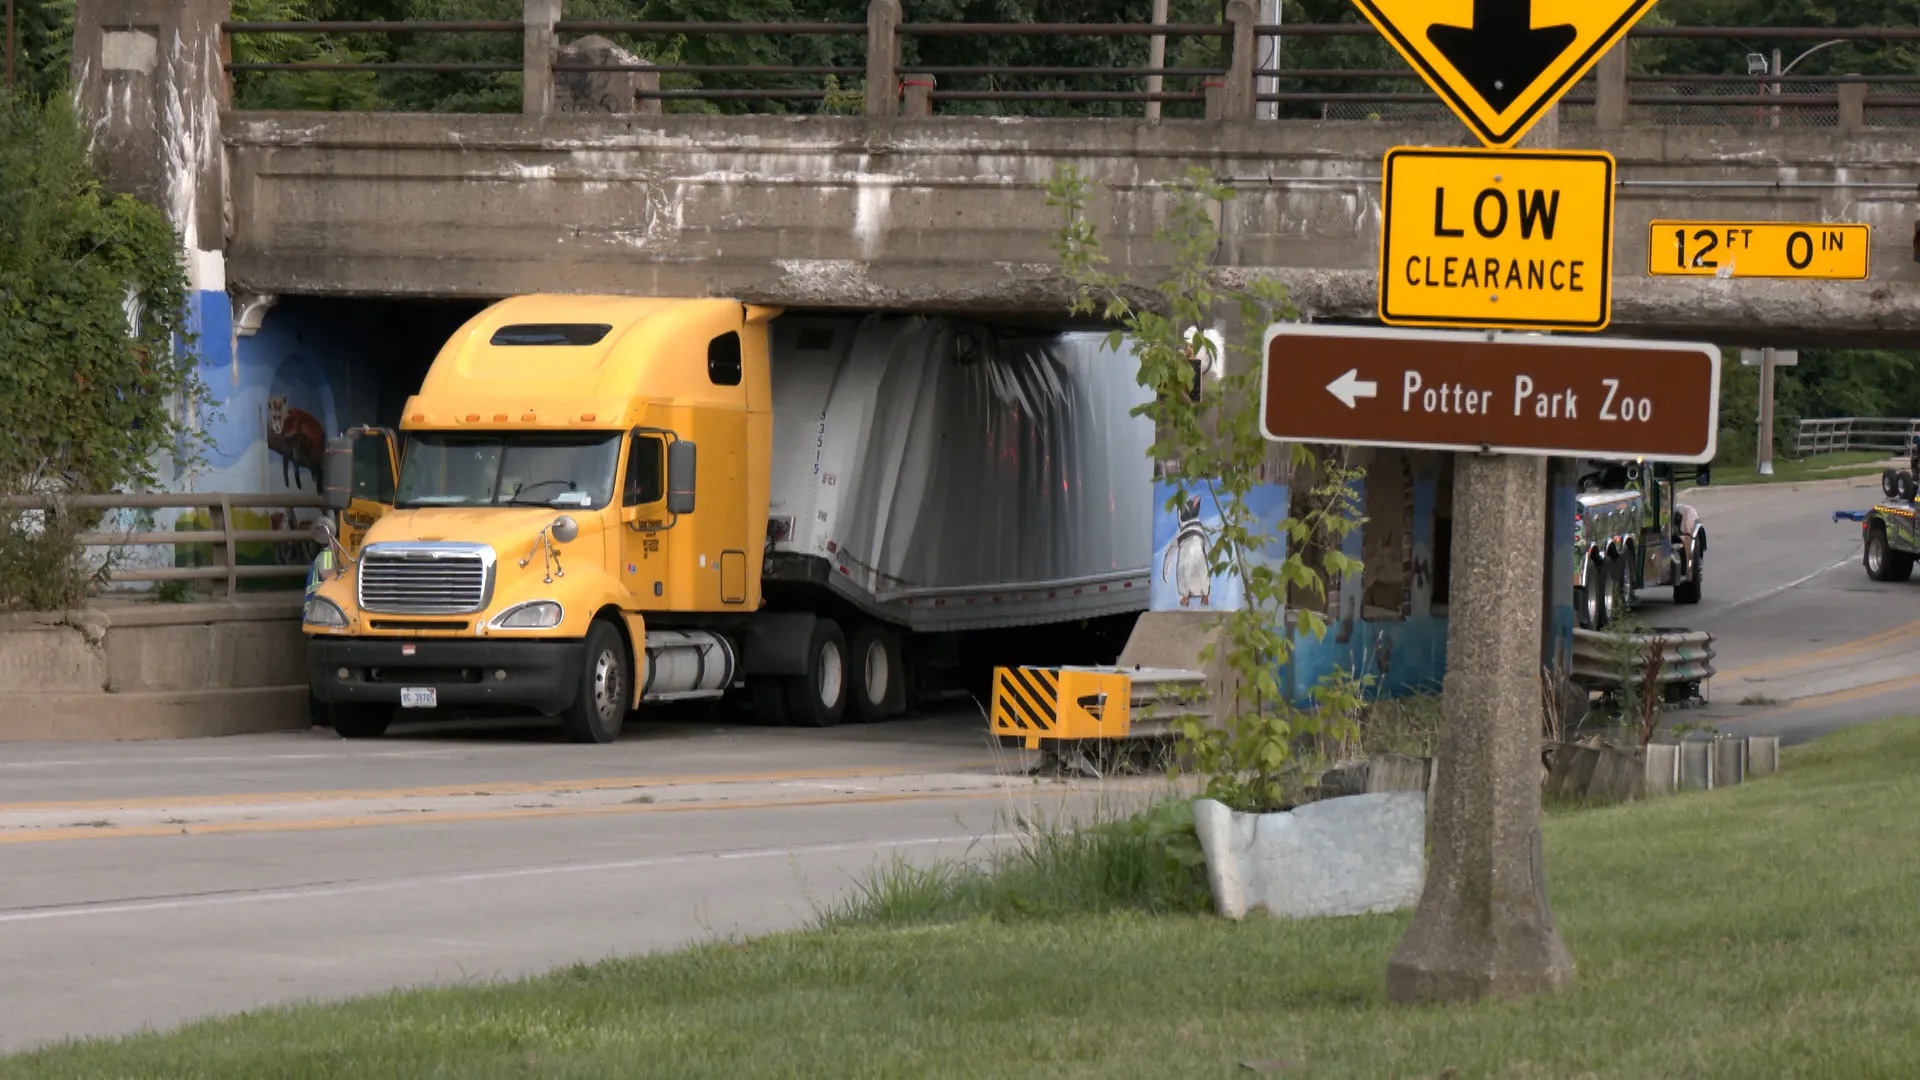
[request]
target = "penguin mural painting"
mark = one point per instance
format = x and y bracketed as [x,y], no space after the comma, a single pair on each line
[1185,563]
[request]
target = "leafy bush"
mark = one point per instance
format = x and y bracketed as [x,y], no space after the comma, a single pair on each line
[92,305]
[1208,442]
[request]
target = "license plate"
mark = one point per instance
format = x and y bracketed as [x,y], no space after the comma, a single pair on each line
[419,697]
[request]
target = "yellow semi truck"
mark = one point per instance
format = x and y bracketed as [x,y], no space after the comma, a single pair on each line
[606,500]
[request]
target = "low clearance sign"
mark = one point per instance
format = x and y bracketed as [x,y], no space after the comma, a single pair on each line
[1518,240]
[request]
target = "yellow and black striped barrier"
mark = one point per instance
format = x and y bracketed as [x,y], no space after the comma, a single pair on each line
[1035,705]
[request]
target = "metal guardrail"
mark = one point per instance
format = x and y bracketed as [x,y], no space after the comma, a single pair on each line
[219,507]
[1686,658]
[1893,435]
[900,69]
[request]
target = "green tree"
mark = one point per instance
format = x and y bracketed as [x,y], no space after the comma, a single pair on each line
[92,308]
[1208,442]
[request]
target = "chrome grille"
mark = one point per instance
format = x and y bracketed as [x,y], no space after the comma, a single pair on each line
[426,579]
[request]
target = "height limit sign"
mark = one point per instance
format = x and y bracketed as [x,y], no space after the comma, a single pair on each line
[1514,239]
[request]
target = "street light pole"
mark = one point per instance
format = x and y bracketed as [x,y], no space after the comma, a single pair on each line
[1156,58]
[1780,72]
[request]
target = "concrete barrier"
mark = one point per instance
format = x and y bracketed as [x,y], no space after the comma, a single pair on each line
[139,670]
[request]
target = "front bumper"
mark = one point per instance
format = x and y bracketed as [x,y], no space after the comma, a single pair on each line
[540,675]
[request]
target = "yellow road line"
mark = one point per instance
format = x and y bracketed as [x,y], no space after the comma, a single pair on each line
[1832,652]
[110,832]
[1833,697]
[487,787]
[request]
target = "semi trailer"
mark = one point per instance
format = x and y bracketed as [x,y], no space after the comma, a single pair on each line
[607,501]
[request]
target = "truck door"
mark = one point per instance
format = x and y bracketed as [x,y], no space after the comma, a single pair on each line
[643,511]
[376,467]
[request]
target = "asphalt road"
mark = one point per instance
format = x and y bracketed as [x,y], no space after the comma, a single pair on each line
[1805,642]
[148,884]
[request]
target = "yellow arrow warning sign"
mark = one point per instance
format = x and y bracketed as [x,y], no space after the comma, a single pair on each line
[1500,64]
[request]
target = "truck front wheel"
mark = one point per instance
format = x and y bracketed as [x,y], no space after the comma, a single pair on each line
[599,710]
[1688,590]
[819,698]
[356,721]
[1593,610]
[1884,563]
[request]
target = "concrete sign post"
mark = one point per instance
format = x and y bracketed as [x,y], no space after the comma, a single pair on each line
[1484,927]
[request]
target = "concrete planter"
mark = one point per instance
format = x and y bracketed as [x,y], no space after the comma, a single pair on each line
[1355,855]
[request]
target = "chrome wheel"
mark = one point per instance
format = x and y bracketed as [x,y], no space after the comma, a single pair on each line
[608,700]
[1876,553]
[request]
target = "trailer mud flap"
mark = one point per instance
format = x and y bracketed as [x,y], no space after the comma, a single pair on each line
[1035,704]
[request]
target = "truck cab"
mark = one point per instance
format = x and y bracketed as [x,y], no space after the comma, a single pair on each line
[579,509]
[1631,532]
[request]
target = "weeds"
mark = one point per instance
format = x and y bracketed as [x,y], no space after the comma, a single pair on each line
[1149,861]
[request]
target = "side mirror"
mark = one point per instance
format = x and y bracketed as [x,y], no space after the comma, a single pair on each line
[680,476]
[336,485]
[323,533]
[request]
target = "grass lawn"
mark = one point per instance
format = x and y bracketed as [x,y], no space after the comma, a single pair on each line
[1763,931]
[1836,466]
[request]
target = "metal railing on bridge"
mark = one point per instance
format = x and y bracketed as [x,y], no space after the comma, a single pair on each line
[885,66]
[1893,435]
[291,548]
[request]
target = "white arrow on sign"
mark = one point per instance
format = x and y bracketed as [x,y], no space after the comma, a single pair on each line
[1350,387]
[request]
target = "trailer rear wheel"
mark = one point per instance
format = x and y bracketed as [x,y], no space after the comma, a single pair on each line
[819,698]
[877,689]
[355,721]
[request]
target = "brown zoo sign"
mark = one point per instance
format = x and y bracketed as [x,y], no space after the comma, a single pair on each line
[1497,393]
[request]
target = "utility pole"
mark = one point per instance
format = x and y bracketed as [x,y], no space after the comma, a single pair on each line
[1156,58]
[1766,360]
[1271,14]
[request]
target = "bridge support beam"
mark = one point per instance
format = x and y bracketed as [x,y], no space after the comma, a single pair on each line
[883,58]
[536,57]
[150,89]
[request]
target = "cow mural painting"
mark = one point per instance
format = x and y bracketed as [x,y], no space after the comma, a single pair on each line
[280,392]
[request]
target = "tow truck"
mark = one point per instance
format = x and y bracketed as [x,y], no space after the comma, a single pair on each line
[1888,544]
[1630,533]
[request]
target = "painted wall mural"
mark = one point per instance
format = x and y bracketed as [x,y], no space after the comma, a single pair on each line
[1183,535]
[279,393]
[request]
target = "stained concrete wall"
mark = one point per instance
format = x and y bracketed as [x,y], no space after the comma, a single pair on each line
[153,671]
[950,213]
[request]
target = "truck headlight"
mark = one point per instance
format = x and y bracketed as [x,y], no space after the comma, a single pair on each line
[532,615]
[323,612]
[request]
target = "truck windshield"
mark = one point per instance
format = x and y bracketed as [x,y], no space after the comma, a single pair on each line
[508,470]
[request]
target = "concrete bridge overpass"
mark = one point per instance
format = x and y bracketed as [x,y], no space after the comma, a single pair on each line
[950,214]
